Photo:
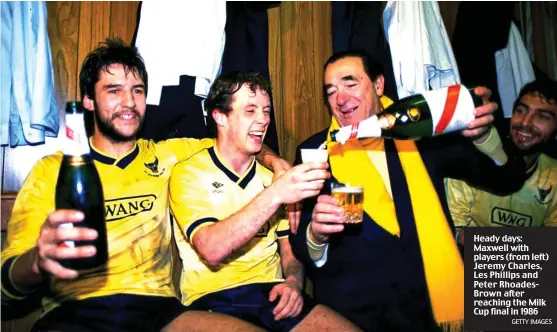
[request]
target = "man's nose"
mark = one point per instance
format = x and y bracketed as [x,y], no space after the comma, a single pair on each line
[342,98]
[262,117]
[528,119]
[128,99]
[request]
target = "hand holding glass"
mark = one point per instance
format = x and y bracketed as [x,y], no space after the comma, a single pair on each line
[351,199]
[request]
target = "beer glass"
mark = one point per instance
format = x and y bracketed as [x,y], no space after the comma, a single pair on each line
[351,199]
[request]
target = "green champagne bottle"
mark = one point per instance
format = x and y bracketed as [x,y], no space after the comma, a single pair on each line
[429,114]
[79,187]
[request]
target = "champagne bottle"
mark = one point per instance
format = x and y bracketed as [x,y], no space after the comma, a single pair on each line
[79,187]
[429,114]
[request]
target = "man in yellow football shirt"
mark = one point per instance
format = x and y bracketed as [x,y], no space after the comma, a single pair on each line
[133,292]
[533,127]
[234,246]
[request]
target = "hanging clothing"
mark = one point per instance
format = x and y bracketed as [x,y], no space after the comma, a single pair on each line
[422,55]
[247,47]
[481,29]
[179,114]
[514,70]
[357,25]
[28,110]
[181,38]
[182,44]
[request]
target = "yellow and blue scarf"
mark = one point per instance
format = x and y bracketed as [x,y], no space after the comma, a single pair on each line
[443,266]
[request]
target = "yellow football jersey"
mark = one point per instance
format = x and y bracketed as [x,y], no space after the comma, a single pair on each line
[203,190]
[534,205]
[138,221]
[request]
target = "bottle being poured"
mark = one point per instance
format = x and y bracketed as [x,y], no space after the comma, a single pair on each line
[429,114]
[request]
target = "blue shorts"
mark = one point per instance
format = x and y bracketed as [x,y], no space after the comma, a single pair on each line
[122,312]
[251,303]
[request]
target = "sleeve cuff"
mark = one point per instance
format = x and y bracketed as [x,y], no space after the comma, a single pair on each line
[493,148]
[317,252]
[197,225]
[9,289]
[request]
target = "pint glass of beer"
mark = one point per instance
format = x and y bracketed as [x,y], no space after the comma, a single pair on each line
[351,199]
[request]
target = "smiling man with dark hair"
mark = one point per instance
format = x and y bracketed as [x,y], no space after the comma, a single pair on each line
[533,128]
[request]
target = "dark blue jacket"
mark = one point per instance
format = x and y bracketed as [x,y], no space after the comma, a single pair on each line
[374,278]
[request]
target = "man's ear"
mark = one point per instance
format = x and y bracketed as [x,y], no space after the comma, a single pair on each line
[219,117]
[379,85]
[88,103]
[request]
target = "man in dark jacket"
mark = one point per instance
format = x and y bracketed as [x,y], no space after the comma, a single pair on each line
[400,269]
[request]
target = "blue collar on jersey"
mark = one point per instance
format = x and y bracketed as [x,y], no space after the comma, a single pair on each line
[122,163]
[244,183]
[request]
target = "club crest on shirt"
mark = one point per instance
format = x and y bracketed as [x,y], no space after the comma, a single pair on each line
[153,168]
[542,195]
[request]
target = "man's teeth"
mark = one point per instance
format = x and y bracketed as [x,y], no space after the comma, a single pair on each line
[525,134]
[127,116]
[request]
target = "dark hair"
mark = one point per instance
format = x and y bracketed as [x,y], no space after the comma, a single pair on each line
[372,68]
[223,89]
[112,51]
[546,89]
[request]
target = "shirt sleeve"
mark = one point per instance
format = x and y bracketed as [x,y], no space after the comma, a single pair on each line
[283,228]
[34,202]
[189,202]
[459,197]
[184,148]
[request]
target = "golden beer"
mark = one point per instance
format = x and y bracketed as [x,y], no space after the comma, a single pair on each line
[351,199]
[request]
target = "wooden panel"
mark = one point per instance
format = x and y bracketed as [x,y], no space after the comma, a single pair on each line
[305,44]
[322,50]
[100,22]
[84,44]
[63,27]
[123,19]
[6,205]
[275,70]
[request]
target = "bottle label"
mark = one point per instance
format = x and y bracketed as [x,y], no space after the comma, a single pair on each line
[367,128]
[67,244]
[76,139]
[452,108]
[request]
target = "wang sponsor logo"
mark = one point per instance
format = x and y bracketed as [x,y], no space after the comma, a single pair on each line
[510,218]
[120,208]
